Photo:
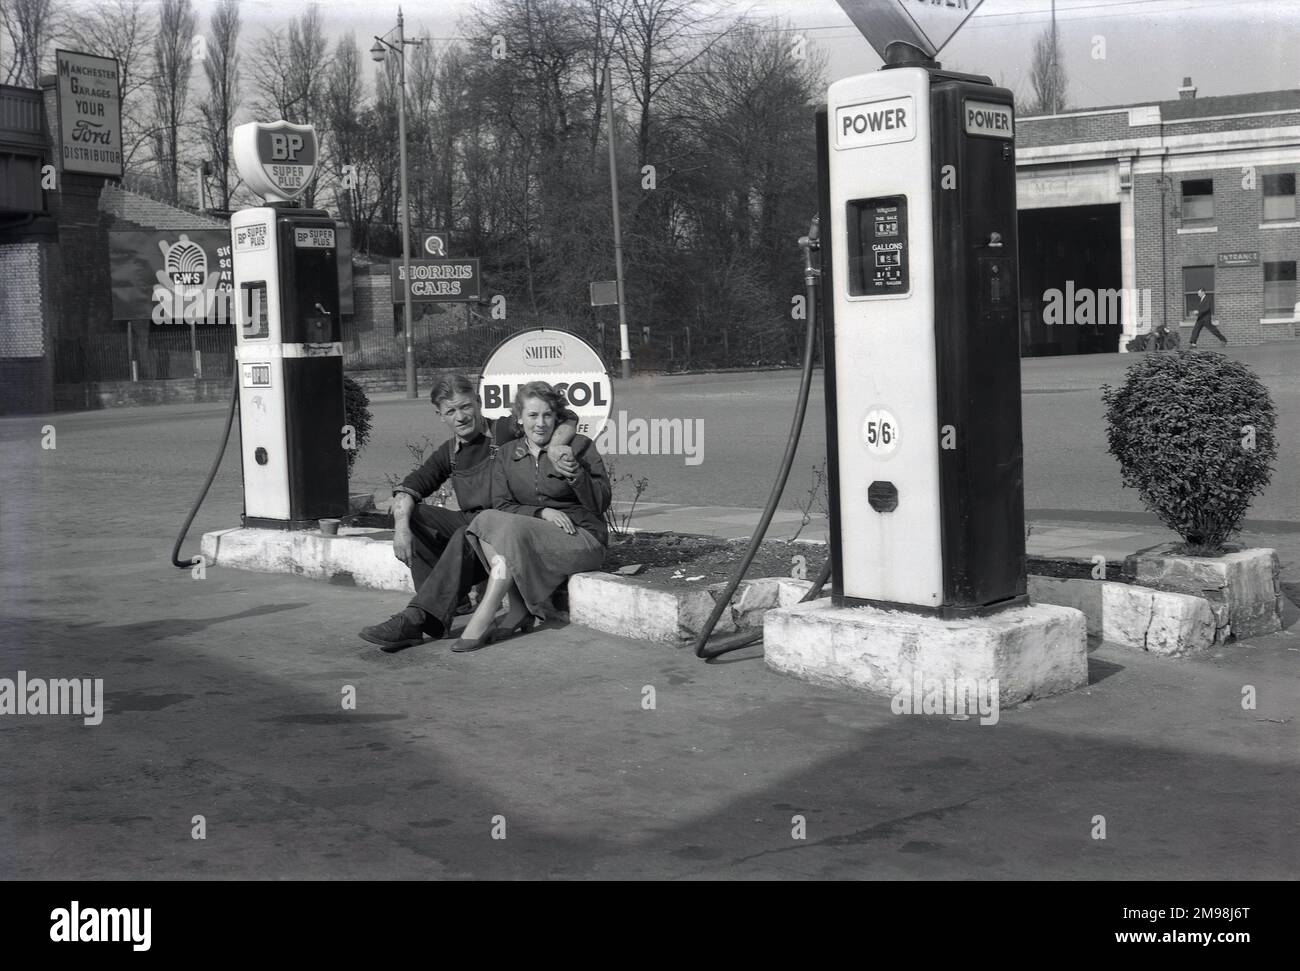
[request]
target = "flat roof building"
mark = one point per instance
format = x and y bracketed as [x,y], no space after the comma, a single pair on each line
[1126,211]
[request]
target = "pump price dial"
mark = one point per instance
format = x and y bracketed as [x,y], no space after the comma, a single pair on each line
[880,432]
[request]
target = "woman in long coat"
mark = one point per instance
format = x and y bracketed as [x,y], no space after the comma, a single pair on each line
[543,527]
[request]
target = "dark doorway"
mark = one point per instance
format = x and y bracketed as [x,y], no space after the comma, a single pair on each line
[1070,278]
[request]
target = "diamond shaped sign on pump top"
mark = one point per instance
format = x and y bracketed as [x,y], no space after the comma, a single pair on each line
[925,24]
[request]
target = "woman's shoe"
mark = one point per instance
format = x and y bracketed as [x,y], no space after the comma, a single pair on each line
[463,644]
[506,629]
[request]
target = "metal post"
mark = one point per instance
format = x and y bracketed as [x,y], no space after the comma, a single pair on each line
[411,391]
[625,352]
[1164,254]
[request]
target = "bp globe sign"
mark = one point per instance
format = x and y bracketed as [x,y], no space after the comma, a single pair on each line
[566,362]
[277,160]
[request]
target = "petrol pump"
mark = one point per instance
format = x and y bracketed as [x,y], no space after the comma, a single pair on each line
[289,352]
[920,321]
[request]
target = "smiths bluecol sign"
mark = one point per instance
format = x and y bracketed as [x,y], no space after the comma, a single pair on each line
[437,281]
[564,361]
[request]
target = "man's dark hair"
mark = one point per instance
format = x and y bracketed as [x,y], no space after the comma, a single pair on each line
[450,384]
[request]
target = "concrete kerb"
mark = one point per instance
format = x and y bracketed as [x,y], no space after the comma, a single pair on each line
[629,607]
[1159,621]
[359,556]
[1030,652]
[624,606]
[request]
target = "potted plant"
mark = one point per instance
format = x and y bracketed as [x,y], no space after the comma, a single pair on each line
[1195,434]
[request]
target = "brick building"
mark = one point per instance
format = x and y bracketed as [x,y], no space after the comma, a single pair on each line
[1155,200]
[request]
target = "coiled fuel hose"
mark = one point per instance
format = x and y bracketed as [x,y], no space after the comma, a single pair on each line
[734,642]
[212,474]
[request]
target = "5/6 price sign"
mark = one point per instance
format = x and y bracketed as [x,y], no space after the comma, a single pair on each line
[880,432]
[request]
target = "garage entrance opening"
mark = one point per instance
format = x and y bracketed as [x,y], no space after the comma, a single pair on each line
[1070,281]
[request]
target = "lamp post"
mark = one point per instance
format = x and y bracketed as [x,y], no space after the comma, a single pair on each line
[378,53]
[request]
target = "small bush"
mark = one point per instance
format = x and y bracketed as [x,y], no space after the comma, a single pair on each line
[356,412]
[1194,433]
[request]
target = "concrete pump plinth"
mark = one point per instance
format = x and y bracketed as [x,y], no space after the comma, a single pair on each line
[1031,651]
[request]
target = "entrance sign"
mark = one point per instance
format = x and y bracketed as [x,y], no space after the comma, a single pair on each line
[277,160]
[90,114]
[1240,258]
[563,360]
[926,24]
[437,281]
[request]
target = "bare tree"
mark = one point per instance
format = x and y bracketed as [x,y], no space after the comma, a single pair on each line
[287,70]
[31,26]
[288,76]
[173,60]
[653,49]
[221,65]
[1047,74]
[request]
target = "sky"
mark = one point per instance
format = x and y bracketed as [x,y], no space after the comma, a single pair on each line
[1225,46]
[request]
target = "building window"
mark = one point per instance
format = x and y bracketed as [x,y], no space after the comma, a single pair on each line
[1279,289]
[1196,278]
[1198,201]
[1279,196]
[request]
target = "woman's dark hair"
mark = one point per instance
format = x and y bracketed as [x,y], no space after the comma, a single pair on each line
[538,389]
[450,384]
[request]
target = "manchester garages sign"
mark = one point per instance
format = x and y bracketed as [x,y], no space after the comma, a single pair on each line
[90,114]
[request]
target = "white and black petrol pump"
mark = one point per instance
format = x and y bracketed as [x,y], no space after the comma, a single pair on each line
[289,351]
[921,333]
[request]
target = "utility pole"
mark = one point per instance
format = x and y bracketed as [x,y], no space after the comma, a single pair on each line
[625,352]
[378,54]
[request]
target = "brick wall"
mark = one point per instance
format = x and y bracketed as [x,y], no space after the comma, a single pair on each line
[26,302]
[1239,291]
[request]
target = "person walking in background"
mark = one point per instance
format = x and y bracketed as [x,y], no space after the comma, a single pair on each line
[1204,311]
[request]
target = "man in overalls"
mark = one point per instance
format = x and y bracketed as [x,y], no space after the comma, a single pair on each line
[430,539]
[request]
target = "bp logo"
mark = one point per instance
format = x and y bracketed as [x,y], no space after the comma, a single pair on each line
[277,160]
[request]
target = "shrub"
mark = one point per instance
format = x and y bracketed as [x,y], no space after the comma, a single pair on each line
[356,412]
[1194,433]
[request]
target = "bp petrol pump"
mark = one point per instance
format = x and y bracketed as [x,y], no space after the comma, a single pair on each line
[289,355]
[919,296]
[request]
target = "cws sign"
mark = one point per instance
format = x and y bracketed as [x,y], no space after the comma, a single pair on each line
[90,114]
[437,281]
[562,360]
[276,160]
